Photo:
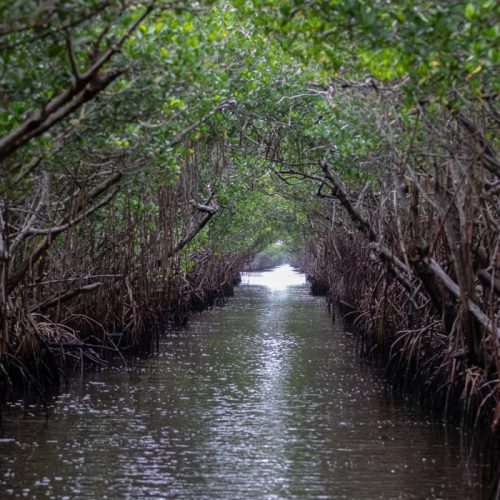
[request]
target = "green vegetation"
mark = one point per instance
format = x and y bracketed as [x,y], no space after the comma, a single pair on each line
[150,149]
[273,255]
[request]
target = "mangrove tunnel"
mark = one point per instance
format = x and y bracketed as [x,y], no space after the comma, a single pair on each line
[152,151]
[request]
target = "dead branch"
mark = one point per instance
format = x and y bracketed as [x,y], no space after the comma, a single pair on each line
[194,229]
[455,290]
[64,297]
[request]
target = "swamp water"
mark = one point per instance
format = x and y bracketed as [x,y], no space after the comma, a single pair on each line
[258,399]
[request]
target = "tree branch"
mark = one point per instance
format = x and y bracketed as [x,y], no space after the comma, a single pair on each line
[64,297]
[481,317]
[39,121]
[68,221]
[180,136]
[72,58]
[26,169]
[209,211]
[39,124]
[488,155]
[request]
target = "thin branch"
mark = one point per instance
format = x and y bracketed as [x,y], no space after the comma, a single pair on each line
[489,280]
[64,297]
[33,213]
[68,221]
[181,136]
[26,169]
[49,31]
[487,153]
[362,193]
[72,57]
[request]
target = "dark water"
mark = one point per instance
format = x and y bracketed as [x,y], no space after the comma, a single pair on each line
[259,399]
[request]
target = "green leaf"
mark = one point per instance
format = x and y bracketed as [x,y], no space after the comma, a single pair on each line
[470,11]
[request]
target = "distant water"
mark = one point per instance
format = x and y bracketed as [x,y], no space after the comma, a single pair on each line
[278,279]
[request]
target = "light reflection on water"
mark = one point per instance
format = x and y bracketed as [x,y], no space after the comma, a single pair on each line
[278,279]
[260,399]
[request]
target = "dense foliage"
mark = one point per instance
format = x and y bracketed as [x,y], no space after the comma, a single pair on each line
[149,149]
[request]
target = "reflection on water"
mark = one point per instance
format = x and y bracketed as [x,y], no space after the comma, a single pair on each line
[278,279]
[260,399]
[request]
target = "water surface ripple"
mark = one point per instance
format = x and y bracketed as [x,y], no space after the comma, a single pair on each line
[259,399]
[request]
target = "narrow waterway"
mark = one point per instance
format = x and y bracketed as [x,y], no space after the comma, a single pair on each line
[258,399]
